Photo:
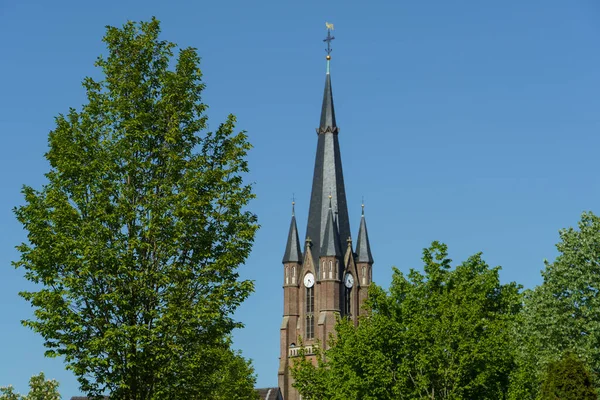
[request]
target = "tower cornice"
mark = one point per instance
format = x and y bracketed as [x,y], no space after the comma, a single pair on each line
[328,129]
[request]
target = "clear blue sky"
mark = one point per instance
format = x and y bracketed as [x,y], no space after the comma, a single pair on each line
[472,123]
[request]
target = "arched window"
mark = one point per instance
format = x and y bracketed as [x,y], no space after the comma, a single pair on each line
[287,275]
[293,274]
[330,270]
[364,275]
[324,270]
[348,305]
[310,311]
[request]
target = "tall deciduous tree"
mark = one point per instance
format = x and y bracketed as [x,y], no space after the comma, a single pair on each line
[40,388]
[563,313]
[136,237]
[445,334]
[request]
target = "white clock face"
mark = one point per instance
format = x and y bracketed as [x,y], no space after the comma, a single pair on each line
[309,280]
[349,281]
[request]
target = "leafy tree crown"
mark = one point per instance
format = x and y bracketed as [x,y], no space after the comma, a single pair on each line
[135,239]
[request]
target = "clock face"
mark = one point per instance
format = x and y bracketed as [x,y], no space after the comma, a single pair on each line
[348,281]
[309,280]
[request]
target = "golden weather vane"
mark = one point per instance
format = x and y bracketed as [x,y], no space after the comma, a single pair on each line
[328,39]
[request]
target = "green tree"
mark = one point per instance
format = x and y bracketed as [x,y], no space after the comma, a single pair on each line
[568,379]
[563,313]
[39,389]
[135,240]
[444,334]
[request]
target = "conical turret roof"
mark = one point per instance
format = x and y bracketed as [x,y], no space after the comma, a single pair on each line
[363,247]
[293,251]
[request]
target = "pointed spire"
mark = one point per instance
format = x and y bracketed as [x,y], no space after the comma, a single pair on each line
[328,177]
[363,247]
[293,251]
[331,238]
[328,123]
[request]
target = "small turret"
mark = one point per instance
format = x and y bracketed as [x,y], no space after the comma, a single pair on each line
[363,247]
[293,252]
[364,260]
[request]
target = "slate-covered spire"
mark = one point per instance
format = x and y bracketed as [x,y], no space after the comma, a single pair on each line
[331,239]
[293,252]
[328,178]
[363,248]
[327,110]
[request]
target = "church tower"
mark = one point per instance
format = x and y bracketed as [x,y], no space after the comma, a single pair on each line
[329,279]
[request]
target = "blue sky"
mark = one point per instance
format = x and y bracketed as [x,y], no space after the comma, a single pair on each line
[472,123]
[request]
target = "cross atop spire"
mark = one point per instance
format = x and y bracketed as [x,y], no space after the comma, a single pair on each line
[328,39]
[327,111]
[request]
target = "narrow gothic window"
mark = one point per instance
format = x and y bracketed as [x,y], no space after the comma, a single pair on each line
[310,310]
[287,275]
[330,270]
[293,274]
[324,270]
[348,307]
[364,275]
